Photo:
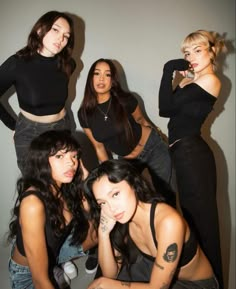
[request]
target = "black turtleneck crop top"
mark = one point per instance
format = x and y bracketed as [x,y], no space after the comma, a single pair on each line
[41,88]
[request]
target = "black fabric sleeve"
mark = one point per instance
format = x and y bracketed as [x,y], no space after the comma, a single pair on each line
[6,81]
[166,101]
[6,118]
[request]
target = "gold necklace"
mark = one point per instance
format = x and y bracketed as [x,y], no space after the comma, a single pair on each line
[105,113]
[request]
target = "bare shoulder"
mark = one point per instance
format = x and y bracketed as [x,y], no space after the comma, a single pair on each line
[166,216]
[31,206]
[210,82]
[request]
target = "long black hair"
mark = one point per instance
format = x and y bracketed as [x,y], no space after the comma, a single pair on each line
[37,175]
[117,171]
[119,99]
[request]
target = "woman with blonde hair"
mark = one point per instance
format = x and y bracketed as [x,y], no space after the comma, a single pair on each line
[187,106]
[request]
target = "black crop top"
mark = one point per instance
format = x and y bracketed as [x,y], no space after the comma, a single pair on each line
[189,248]
[107,133]
[186,107]
[41,88]
[53,242]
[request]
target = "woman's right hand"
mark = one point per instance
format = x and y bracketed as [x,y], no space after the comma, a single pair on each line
[106,224]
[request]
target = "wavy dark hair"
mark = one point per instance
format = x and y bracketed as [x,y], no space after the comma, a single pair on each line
[119,99]
[35,40]
[37,175]
[117,171]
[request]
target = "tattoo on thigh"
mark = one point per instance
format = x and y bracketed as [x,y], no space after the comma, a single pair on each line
[171,253]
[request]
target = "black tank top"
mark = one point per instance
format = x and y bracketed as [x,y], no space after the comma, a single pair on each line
[189,248]
[53,242]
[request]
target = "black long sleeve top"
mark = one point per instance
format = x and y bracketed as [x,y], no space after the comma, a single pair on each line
[41,88]
[186,107]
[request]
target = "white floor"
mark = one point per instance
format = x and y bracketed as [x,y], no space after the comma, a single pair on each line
[80,282]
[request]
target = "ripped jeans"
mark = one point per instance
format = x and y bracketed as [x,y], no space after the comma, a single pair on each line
[21,277]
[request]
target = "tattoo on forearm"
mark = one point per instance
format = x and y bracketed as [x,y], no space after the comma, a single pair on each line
[172,273]
[126,284]
[165,286]
[171,253]
[158,265]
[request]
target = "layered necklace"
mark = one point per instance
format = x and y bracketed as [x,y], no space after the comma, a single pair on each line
[108,108]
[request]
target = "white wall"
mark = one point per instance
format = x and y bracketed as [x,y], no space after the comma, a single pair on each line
[141,36]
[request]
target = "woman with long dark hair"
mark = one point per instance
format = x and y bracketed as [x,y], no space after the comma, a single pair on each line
[50,208]
[142,241]
[113,121]
[40,73]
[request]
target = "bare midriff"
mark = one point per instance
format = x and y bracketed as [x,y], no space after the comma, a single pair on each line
[44,118]
[18,258]
[139,147]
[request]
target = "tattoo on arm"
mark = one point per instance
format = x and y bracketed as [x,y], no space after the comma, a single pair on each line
[171,253]
[165,286]
[126,284]
[158,265]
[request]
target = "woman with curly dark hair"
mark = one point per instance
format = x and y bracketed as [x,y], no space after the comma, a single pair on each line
[49,208]
[142,241]
[40,74]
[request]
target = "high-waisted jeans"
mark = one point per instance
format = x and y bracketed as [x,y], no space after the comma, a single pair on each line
[156,158]
[196,180]
[26,130]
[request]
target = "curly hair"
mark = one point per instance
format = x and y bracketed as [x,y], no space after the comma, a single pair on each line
[35,40]
[38,176]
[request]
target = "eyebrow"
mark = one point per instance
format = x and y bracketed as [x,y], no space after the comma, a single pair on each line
[194,48]
[108,70]
[108,194]
[55,24]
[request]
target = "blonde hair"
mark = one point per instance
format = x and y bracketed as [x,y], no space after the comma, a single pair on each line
[210,39]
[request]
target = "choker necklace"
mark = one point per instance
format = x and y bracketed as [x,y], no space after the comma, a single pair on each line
[108,108]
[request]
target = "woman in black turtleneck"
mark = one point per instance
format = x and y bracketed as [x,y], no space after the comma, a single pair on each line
[40,73]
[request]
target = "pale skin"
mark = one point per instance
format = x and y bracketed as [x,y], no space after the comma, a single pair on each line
[118,204]
[33,218]
[199,57]
[53,43]
[102,85]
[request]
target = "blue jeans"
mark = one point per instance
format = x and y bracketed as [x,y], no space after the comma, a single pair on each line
[20,276]
[26,130]
[156,158]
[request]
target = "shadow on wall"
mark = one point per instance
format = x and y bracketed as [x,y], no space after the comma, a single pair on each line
[79,31]
[89,157]
[124,85]
[221,164]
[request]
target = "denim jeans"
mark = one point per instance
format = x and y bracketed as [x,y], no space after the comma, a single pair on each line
[156,158]
[69,252]
[196,179]
[26,130]
[20,276]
